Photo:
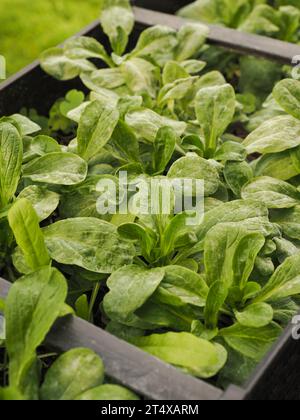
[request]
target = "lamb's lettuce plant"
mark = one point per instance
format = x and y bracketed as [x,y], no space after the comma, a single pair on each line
[33,304]
[207,298]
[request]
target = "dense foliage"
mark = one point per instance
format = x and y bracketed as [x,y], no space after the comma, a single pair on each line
[275,18]
[210,299]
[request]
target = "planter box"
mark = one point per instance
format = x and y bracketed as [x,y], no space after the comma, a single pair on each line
[275,378]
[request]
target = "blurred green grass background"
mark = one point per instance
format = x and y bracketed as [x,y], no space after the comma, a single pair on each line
[27,27]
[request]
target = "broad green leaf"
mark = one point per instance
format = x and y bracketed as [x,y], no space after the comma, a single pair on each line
[274,136]
[287,94]
[216,298]
[182,286]
[33,304]
[157,42]
[284,282]
[247,211]
[57,64]
[191,37]
[24,125]
[237,174]
[117,21]
[231,151]
[39,146]
[186,351]
[284,165]
[193,66]
[146,123]
[56,168]
[44,201]
[125,142]
[108,78]
[289,221]
[257,315]
[83,47]
[177,229]
[141,76]
[11,152]
[164,146]
[96,127]
[173,71]
[251,342]
[24,223]
[88,243]
[285,248]
[195,167]
[75,372]
[130,287]
[215,108]
[274,193]
[230,251]
[154,315]
[176,90]
[108,392]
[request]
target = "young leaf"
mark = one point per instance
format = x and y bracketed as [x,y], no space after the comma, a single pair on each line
[82,307]
[216,298]
[284,282]
[96,126]
[56,168]
[146,236]
[24,223]
[230,251]
[164,146]
[33,304]
[75,372]
[88,243]
[186,351]
[117,21]
[215,108]
[11,153]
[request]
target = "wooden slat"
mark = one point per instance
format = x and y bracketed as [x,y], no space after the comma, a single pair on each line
[229,38]
[125,363]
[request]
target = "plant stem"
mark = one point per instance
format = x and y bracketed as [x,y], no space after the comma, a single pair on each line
[93,301]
